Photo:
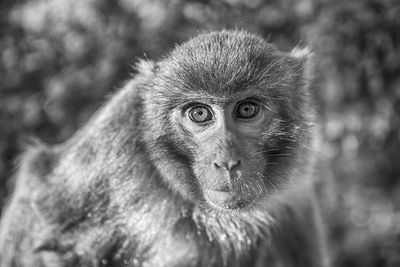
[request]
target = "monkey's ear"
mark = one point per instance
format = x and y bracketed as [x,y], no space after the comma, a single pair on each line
[145,67]
[301,52]
[306,58]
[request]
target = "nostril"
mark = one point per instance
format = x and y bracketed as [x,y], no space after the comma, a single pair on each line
[232,164]
[216,166]
[224,188]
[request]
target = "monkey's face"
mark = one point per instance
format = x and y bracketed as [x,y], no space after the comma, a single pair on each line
[227,121]
[227,138]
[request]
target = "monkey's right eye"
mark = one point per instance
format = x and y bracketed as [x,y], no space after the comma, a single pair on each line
[200,114]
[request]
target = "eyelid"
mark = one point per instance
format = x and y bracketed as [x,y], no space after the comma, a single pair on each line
[251,100]
[188,106]
[199,105]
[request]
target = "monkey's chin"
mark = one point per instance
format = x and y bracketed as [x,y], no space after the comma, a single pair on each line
[226,200]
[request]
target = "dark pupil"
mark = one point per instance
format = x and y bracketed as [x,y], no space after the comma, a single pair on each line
[247,110]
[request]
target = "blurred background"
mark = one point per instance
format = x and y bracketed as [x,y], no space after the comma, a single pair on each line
[60,58]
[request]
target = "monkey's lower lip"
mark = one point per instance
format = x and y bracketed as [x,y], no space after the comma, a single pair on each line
[225,200]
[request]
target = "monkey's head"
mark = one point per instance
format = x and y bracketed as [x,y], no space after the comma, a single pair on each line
[228,116]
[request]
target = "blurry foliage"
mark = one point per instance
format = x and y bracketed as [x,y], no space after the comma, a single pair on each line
[59,58]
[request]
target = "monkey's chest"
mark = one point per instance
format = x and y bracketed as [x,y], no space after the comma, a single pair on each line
[172,251]
[193,250]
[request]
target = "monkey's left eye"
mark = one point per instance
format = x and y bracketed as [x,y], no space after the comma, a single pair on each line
[247,110]
[200,114]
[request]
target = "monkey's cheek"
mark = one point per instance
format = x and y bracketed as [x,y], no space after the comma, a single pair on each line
[226,200]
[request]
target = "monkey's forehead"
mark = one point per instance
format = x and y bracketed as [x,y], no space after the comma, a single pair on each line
[223,53]
[225,62]
[223,82]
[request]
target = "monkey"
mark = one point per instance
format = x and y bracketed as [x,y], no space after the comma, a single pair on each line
[203,158]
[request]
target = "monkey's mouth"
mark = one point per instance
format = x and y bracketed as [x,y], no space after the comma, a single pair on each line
[226,200]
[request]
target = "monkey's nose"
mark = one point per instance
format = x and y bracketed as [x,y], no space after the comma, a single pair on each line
[228,164]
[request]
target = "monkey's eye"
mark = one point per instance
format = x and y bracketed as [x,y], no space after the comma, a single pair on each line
[200,114]
[247,110]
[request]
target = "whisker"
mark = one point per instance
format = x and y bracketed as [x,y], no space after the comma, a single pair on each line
[281,154]
[267,179]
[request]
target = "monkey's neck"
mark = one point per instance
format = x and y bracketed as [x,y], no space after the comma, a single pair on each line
[192,232]
[235,232]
